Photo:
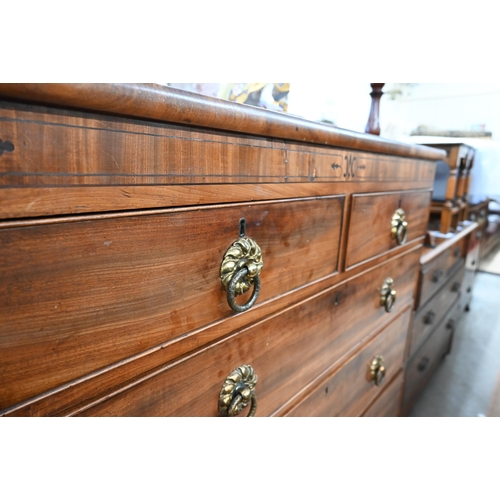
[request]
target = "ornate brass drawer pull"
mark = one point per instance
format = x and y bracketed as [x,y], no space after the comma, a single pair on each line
[377,370]
[240,270]
[237,391]
[388,295]
[399,228]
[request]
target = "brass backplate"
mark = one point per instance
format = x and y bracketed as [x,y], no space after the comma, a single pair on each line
[244,252]
[237,391]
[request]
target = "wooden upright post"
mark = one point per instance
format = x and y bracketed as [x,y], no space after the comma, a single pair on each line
[373,125]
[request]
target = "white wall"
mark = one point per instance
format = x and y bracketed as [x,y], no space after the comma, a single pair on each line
[445,106]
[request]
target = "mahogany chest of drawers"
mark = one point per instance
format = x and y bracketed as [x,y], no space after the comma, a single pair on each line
[168,254]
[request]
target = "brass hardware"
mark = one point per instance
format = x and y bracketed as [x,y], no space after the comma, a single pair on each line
[237,391]
[423,364]
[388,295]
[377,370]
[240,270]
[399,228]
[429,318]
[437,276]
[243,227]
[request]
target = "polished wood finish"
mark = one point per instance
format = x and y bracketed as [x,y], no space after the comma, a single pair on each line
[117,203]
[373,125]
[165,104]
[97,164]
[388,403]
[85,282]
[349,391]
[320,329]
[285,351]
[370,224]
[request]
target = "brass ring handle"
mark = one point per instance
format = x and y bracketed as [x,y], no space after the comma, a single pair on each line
[399,226]
[240,270]
[238,390]
[233,285]
[377,370]
[388,295]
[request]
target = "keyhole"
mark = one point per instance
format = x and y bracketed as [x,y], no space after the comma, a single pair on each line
[337,299]
[243,228]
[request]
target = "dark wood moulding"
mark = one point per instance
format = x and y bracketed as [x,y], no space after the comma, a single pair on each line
[162,103]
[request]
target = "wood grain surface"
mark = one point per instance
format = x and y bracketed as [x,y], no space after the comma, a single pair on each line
[388,403]
[81,295]
[117,203]
[147,154]
[26,202]
[350,390]
[162,103]
[370,223]
[287,351]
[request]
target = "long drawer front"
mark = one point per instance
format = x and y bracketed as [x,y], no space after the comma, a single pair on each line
[287,351]
[350,390]
[80,295]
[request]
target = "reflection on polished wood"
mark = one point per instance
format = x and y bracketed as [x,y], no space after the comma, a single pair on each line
[118,203]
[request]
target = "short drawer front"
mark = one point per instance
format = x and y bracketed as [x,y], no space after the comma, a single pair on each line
[467,287]
[436,273]
[472,259]
[388,403]
[432,312]
[371,217]
[456,253]
[423,363]
[351,389]
[81,295]
[287,351]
